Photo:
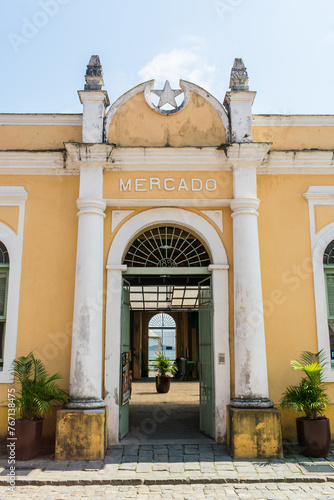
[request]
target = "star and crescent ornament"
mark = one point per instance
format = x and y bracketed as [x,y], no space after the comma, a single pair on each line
[167,95]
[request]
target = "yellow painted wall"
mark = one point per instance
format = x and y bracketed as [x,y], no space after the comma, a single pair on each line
[48,274]
[323,216]
[37,137]
[295,137]
[136,124]
[10,216]
[287,280]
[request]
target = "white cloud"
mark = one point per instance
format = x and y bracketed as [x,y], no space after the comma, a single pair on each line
[329,38]
[179,64]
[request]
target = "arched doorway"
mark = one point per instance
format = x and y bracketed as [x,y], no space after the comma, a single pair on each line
[183,249]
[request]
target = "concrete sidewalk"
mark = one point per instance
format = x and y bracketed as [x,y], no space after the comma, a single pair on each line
[171,464]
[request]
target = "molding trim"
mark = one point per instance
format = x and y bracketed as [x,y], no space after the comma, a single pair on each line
[36,163]
[298,162]
[89,155]
[41,119]
[67,162]
[12,196]
[117,267]
[175,158]
[293,120]
[320,195]
[247,154]
[168,202]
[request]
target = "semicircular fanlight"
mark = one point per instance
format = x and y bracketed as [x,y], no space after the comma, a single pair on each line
[166,246]
[329,253]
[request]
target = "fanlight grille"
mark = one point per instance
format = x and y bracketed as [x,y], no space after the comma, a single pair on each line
[329,253]
[167,246]
[4,257]
[162,320]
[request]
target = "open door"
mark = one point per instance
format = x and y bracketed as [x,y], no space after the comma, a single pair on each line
[125,362]
[207,403]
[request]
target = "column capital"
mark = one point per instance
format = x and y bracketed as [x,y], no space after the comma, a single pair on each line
[94,96]
[238,96]
[94,206]
[122,268]
[89,155]
[247,154]
[244,206]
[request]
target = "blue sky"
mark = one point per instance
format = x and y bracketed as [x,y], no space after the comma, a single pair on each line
[287,46]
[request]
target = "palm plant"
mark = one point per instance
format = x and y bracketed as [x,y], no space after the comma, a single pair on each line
[37,389]
[163,365]
[309,396]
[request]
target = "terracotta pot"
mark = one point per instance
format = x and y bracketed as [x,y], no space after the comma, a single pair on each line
[163,385]
[314,437]
[28,435]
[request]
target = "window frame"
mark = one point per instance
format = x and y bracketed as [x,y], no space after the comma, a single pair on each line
[13,240]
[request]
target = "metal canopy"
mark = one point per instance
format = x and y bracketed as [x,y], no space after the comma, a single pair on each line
[164,297]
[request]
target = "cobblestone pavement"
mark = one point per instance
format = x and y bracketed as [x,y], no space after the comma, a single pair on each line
[268,491]
[173,471]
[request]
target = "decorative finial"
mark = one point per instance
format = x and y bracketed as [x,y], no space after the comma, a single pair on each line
[239,76]
[94,74]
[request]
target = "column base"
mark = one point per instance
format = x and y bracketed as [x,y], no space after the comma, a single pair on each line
[254,433]
[81,434]
[83,404]
[252,403]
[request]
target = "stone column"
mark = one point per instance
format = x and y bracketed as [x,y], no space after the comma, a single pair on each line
[80,428]
[86,357]
[251,379]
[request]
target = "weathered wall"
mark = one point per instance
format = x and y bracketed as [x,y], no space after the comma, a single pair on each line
[37,137]
[287,279]
[294,138]
[136,124]
[48,274]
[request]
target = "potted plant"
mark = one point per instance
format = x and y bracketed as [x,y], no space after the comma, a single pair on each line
[165,368]
[33,399]
[310,397]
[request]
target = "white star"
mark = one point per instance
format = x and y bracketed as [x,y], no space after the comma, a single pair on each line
[167,95]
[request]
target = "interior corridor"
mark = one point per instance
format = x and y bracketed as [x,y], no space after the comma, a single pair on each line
[171,418]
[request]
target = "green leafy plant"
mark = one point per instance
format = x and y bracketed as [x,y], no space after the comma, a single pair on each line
[163,365]
[38,390]
[309,396]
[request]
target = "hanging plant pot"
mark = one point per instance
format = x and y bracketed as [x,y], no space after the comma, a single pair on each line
[28,435]
[163,384]
[314,436]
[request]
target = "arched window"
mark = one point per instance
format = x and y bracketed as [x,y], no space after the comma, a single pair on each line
[4,272]
[167,246]
[328,260]
[161,336]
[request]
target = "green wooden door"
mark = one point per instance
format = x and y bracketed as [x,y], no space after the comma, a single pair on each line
[207,403]
[125,346]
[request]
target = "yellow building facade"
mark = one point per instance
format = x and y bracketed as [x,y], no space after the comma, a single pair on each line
[166,192]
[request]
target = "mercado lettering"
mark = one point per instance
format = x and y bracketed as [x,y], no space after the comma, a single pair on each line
[167,184]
